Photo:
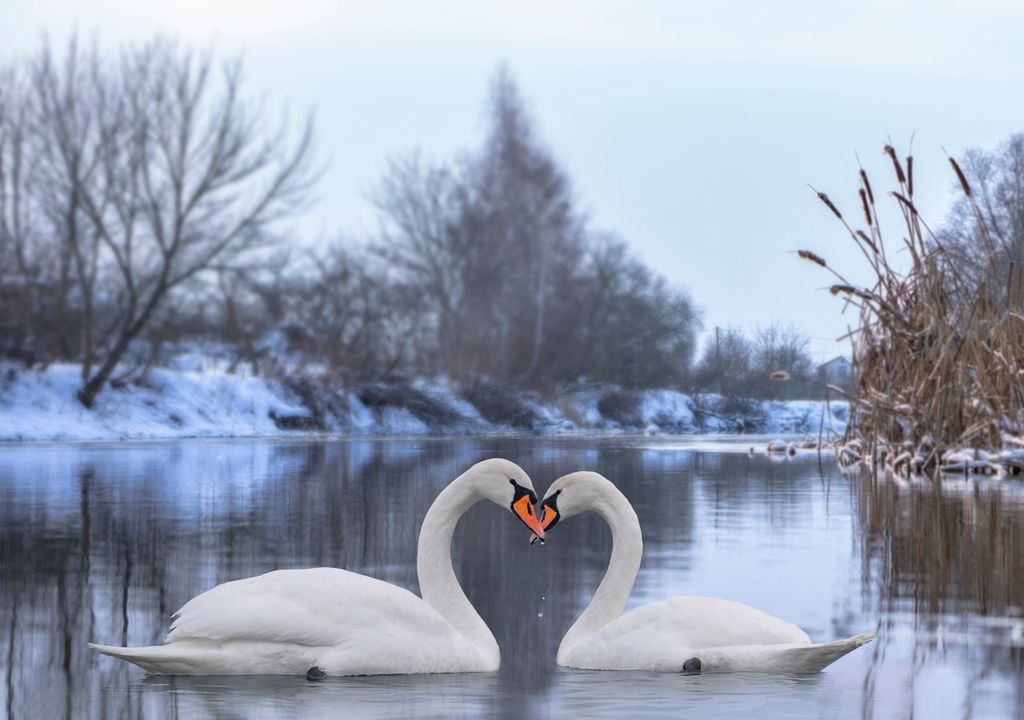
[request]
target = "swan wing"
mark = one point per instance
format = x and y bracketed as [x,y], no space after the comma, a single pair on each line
[662,635]
[316,607]
[701,622]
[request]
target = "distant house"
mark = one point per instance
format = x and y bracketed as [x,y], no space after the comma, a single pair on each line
[838,371]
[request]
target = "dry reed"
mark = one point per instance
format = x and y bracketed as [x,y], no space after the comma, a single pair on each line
[938,360]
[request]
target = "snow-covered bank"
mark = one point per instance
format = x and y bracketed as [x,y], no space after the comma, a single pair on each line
[41,405]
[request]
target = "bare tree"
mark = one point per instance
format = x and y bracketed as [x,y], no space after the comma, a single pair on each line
[66,155]
[997,182]
[524,217]
[35,270]
[362,323]
[420,207]
[175,173]
[779,347]
[490,243]
[18,267]
[15,171]
[725,365]
[633,328]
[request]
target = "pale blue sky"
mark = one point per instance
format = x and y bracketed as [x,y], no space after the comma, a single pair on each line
[690,128]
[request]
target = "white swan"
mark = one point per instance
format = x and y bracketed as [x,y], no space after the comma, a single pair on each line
[337,622]
[680,634]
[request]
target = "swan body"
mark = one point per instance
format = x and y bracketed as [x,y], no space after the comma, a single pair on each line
[725,636]
[287,621]
[344,623]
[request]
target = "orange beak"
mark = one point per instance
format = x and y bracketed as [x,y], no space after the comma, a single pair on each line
[549,517]
[523,509]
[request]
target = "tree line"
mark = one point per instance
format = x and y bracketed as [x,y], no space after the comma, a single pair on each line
[485,266]
[739,365]
[145,202]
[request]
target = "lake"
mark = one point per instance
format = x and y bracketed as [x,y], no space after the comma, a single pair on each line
[104,542]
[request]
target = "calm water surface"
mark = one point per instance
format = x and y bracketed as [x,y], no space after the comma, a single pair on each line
[104,542]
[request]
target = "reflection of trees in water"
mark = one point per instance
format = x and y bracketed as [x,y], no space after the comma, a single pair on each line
[109,543]
[771,490]
[945,557]
[944,546]
[113,545]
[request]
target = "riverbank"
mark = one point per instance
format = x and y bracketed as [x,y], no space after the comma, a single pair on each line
[40,405]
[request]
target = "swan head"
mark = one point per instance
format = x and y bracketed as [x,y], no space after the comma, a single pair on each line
[506,484]
[571,495]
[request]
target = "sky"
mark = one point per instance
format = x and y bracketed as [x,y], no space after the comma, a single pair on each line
[690,128]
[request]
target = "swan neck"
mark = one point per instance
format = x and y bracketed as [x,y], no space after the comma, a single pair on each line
[439,586]
[627,551]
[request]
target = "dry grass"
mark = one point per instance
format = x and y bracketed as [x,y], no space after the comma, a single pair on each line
[939,361]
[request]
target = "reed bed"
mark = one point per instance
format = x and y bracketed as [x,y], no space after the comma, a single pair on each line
[938,356]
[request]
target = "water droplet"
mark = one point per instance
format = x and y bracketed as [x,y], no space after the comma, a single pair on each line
[540,614]
[542,597]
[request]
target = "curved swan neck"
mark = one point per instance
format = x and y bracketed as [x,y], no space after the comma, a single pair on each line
[627,551]
[438,585]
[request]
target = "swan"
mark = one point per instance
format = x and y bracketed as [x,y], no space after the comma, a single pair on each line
[327,621]
[688,634]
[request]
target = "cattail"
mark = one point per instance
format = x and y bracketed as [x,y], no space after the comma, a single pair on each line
[808,255]
[850,290]
[864,204]
[867,186]
[867,241]
[904,201]
[824,198]
[960,176]
[891,152]
[931,359]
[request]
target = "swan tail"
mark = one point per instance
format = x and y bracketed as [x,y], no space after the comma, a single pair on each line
[160,659]
[817,657]
[790,658]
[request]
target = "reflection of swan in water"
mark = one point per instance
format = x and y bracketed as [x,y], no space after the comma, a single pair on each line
[599,694]
[466,695]
[687,633]
[475,695]
[343,623]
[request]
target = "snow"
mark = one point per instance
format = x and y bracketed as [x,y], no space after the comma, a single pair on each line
[804,416]
[398,421]
[198,397]
[667,411]
[444,391]
[42,406]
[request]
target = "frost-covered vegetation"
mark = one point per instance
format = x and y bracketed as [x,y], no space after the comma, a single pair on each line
[202,399]
[939,348]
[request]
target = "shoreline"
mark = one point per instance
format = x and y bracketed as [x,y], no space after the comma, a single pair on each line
[39,406]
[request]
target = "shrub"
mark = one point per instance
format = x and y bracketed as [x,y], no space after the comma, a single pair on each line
[621,406]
